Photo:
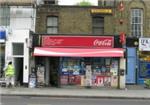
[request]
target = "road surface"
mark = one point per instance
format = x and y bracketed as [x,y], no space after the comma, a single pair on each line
[28,100]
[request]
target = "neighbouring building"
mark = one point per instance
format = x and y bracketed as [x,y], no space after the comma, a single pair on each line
[17,18]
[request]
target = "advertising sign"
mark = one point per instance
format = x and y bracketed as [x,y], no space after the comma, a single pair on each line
[144,70]
[144,44]
[102,11]
[88,75]
[64,80]
[2,34]
[121,6]
[103,81]
[78,41]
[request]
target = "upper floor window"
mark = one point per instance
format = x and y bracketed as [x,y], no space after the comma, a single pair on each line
[4,16]
[98,25]
[137,22]
[52,25]
[109,3]
[17,46]
[49,2]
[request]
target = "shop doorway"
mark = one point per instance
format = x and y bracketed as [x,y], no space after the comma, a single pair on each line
[54,71]
[18,63]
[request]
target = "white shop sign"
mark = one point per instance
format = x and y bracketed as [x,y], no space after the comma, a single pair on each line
[144,44]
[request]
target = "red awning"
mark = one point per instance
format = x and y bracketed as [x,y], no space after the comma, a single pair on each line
[79,52]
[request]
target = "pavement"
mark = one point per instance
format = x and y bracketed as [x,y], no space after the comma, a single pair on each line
[130,92]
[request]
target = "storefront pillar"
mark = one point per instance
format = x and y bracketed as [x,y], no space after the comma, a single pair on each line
[122,78]
[47,67]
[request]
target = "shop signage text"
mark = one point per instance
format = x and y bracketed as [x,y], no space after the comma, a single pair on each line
[2,33]
[78,41]
[101,11]
[144,44]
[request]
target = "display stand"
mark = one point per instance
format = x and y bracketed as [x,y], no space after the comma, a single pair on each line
[40,76]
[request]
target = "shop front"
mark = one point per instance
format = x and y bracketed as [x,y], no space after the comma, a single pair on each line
[90,61]
[144,59]
[2,50]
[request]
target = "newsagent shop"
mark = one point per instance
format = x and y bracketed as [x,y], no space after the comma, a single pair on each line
[80,61]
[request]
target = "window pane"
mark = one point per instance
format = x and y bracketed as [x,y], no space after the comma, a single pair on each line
[52,25]
[132,20]
[98,31]
[98,25]
[52,30]
[136,20]
[98,20]
[52,21]
[133,27]
[110,3]
[17,46]
[4,16]
[139,27]
[106,2]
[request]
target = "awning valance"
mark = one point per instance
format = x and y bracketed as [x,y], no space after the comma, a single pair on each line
[78,52]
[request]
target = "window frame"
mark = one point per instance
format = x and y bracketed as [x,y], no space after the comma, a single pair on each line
[106,3]
[19,46]
[136,22]
[53,26]
[99,26]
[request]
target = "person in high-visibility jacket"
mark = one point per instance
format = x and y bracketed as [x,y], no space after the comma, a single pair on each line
[10,74]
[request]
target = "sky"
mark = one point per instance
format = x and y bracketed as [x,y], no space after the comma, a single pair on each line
[74,2]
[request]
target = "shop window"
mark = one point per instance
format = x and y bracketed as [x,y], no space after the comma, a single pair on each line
[71,71]
[52,25]
[98,71]
[98,25]
[18,49]
[71,66]
[4,16]
[2,58]
[144,71]
[102,66]
[137,22]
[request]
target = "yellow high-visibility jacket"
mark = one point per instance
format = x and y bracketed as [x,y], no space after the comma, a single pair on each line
[10,71]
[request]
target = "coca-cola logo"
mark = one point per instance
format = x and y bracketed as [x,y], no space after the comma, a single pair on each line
[103,43]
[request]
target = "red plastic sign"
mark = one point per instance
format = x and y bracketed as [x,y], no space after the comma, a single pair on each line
[121,6]
[122,38]
[78,41]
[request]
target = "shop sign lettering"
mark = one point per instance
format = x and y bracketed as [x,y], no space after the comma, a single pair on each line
[101,11]
[105,42]
[144,44]
[78,41]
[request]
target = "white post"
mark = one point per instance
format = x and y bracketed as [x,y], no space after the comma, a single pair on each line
[122,81]
[47,70]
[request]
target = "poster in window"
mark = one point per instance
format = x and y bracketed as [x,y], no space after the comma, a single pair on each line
[114,68]
[107,61]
